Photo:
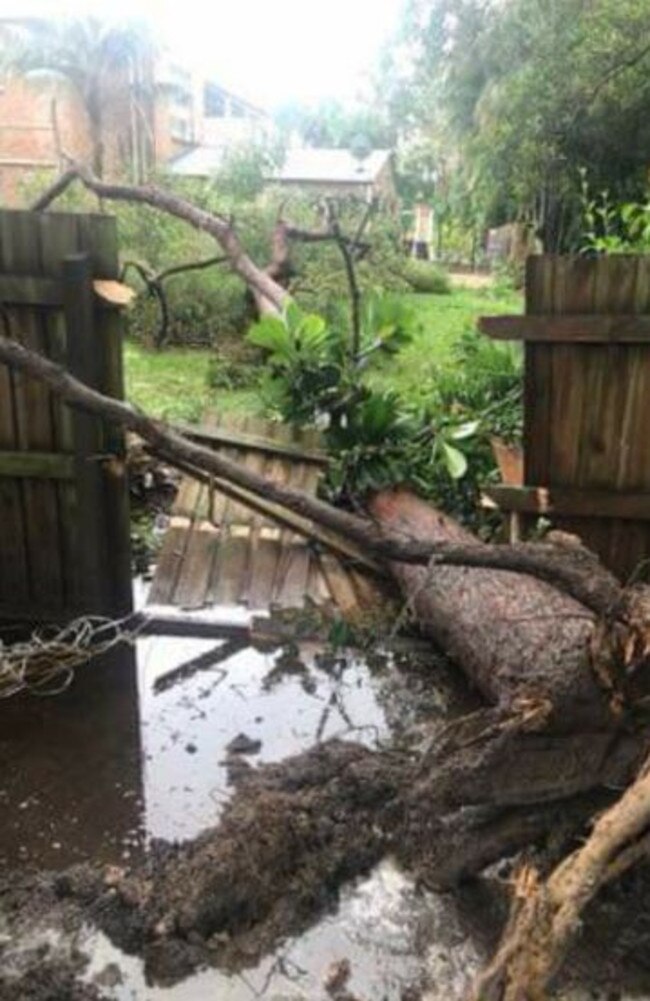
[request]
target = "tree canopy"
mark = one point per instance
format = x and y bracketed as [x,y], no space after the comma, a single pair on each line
[520,95]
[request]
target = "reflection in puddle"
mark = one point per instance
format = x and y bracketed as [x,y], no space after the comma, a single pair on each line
[187,728]
[383,926]
[97,786]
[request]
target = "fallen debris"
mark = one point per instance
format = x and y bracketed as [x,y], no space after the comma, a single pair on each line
[243,744]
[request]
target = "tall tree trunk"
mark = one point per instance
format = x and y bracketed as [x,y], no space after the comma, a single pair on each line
[96,128]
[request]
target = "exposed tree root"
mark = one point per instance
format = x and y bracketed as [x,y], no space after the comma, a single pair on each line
[547,915]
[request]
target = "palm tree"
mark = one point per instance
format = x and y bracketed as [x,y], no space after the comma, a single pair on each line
[98,61]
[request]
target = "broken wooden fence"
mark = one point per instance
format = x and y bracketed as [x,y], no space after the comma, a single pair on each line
[227,547]
[64,526]
[586,335]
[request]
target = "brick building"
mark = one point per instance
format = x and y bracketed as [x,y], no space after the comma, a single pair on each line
[156,112]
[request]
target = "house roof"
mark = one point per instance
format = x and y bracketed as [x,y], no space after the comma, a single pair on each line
[202,161]
[328,166]
[334,166]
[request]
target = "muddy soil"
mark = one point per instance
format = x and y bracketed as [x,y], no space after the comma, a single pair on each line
[48,982]
[294,844]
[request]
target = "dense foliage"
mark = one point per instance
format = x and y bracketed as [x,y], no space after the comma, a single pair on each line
[509,98]
[436,440]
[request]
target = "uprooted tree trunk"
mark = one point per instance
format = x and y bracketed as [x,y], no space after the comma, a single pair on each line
[557,735]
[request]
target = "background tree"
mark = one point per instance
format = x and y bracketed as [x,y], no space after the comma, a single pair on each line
[523,94]
[332,124]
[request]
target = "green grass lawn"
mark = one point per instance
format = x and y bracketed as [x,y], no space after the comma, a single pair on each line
[443,319]
[173,383]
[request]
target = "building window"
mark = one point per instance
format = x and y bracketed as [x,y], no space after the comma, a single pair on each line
[214,102]
[180,128]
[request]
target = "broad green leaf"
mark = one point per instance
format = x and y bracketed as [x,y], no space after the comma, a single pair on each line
[270,333]
[455,461]
[465,430]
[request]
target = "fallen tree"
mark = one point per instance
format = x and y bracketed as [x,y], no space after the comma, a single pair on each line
[556,648]
[267,285]
[577,572]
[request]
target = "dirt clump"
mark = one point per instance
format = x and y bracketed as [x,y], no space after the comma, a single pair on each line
[48,982]
[293,833]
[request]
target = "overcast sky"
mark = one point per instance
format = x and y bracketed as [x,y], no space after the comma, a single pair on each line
[273,51]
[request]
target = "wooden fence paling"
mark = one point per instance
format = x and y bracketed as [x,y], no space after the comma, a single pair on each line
[83,361]
[64,530]
[586,337]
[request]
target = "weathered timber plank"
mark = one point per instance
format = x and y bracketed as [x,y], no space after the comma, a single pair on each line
[230,567]
[30,290]
[242,439]
[266,543]
[37,465]
[84,361]
[282,516]
[98,237]
[537,376]
[586,328]
[170,562]
[58,239]
[194,578]
[292,574]
[35,431]
[14,578]
[578,502]
[47,293]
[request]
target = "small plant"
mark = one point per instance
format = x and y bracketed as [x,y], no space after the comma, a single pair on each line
[611,228]
[231,373]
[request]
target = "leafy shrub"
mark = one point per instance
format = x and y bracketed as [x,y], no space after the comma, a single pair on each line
[315,376]
[423,276]
[321,286]
[482,388]
[225,372]
[205,308]
[611,228]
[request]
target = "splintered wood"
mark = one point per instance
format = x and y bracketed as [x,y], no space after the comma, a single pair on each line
[217,551]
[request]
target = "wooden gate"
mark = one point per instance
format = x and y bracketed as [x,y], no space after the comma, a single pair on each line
[586,402]
[64,526]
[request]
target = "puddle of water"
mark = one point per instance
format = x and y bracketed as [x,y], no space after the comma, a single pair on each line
[186,728]
[70,781]
[137,750]
[382,926]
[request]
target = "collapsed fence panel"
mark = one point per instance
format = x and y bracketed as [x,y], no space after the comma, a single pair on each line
[64,527]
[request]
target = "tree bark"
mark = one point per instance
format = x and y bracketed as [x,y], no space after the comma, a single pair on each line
[269,296]
[530,649]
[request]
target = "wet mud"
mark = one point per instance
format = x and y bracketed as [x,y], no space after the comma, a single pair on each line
[245,824]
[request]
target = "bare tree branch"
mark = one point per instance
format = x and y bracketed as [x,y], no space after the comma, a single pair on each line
[269,295]
[155,283]
[353,286]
